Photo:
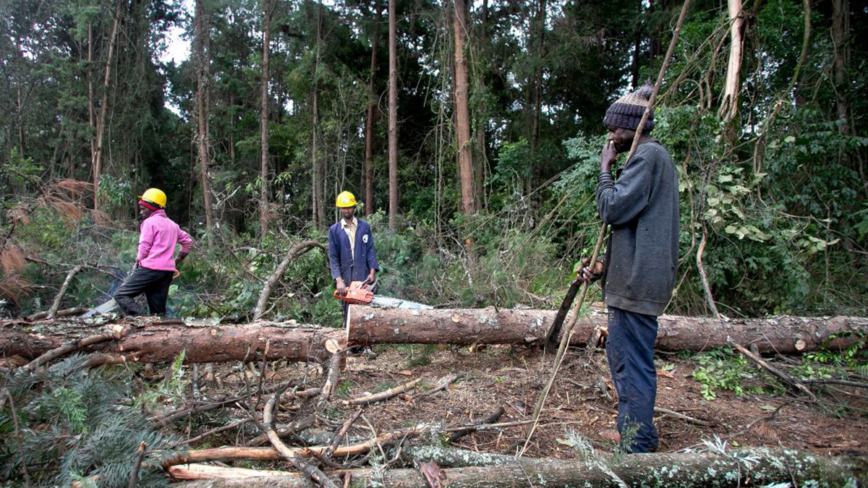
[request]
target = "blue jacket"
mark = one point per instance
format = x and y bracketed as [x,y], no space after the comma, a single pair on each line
[341,259]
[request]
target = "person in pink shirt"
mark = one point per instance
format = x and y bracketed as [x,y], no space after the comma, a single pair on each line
[156,265]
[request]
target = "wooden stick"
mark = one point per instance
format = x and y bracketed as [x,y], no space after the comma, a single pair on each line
[293,428]
[681,416]
[270,454]
[294,458]
[331,377]
[216,430]
[442,385]
[771,369]
[383,395]
[72,346]
[341,433]
[57,298]
[565,340]
[134,476]
[458,434]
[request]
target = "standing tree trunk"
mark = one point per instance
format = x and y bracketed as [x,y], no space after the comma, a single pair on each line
[263,121]
[393,118]
[462,111]
[91,116]
[481,116]
[202,80]
[729,101]
[318,200]
[840,43]
[96,161]
[369,123]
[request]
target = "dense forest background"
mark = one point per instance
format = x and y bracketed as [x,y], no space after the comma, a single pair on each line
[479,187]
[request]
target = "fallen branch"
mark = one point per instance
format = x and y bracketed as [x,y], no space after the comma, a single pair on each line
[441,385]
[741,467]
[681,416]
[57,298]
[383,395]
[291,429]
[73,346]
[294,252]
[340,435]
[294,458]
[270,454]
[771,369]
[137,464]
[60,313]
[494,417]
[331,377]
[217,430]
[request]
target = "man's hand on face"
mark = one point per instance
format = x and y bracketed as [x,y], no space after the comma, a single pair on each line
[609,156]
[342,288]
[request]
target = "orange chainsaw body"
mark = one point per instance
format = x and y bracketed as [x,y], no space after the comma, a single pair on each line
[357,294]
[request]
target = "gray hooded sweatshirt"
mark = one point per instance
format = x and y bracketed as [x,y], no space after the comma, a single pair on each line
[642,209]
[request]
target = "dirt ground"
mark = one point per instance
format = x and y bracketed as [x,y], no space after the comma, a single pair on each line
[512,377]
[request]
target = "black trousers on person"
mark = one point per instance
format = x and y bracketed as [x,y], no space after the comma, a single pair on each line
[153,283]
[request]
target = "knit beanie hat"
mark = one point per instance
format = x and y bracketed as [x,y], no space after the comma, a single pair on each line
[627,111]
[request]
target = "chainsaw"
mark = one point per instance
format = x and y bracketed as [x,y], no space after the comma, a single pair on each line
[363,293]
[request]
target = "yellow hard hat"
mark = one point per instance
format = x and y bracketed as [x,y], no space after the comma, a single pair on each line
[346,199]
[155,197]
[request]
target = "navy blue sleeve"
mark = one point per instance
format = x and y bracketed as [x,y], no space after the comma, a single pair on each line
[334,255]
[372,252]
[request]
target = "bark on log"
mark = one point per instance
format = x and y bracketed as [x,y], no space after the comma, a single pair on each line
[154,343]
[677,470]
[491,326]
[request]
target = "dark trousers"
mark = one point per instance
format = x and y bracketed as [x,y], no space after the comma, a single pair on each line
[154,284]
[630,351]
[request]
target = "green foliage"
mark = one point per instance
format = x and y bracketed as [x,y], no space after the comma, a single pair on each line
[78,424]
[721,369]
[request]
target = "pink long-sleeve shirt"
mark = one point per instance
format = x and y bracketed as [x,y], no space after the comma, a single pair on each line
[158,235]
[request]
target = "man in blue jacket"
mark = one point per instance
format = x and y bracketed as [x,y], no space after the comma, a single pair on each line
[352,256]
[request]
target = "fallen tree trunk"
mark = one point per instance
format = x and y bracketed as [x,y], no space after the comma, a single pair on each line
[676,470]
[491,326]
[155,343]
[203,343]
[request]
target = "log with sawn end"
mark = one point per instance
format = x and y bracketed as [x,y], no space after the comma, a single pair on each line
[784,334]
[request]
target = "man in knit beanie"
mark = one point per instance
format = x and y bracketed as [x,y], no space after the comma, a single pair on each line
[638,269]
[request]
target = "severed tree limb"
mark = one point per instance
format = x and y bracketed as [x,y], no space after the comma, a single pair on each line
[66,312]
[383,395]
[441,385]
[57,298]
[216,430]
[681,416]
[293,428]
[742,467]
[293,457]
[775,371]
[832,381]
[331,377]
[137,464]
[494,417]
[704,278]
[270,454]
[294,252]
[75,345]
[341,433]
